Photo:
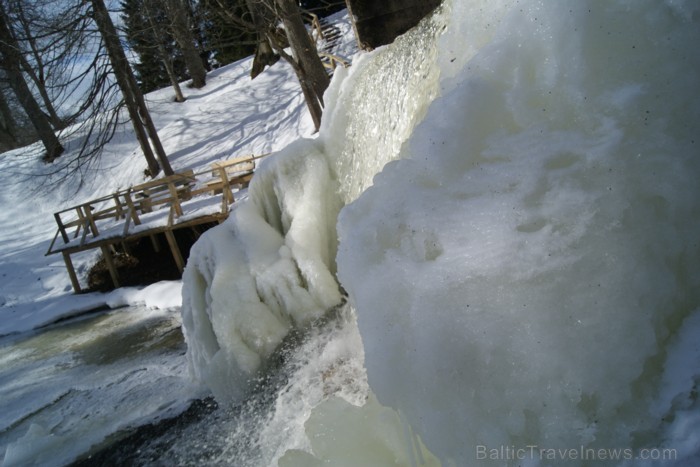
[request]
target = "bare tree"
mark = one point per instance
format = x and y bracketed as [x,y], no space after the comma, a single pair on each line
[25,15]
[305,60]
[265,15]
[12,57]
[136,105]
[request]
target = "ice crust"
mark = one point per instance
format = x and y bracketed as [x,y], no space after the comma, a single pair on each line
[268,268]
[524,265]
[271,266]
[519,273]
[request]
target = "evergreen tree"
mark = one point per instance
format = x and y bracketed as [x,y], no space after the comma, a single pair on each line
[226,40]
[144,41]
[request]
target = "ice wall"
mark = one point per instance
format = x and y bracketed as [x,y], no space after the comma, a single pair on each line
[523,274]
[271,266]
[525,269]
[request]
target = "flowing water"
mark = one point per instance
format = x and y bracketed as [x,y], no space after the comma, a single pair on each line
[77,383]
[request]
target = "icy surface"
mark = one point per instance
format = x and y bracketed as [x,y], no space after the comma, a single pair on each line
[519,273]
[267,269]
[270,267]
[523,264]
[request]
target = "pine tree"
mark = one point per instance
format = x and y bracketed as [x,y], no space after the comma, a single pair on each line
[227,40]
[145,41]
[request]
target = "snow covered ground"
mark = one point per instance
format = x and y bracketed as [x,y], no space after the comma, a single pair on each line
[231,116]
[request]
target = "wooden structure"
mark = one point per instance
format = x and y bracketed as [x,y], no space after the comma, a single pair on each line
[183,200]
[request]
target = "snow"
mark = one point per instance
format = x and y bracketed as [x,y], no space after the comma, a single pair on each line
[229,117]
[54,407]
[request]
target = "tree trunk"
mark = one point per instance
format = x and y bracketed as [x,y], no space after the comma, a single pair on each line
[8,125]
[167,60]
[182,32]
[38,75]
[133,98]
[12,57]
[264,53]
[309,69]
[168,63]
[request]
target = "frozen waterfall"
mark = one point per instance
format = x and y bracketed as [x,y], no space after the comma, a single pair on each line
[509,197]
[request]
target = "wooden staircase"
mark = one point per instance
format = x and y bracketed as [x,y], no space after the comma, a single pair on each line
[326,35]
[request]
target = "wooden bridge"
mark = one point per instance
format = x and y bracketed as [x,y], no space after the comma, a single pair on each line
[182,200]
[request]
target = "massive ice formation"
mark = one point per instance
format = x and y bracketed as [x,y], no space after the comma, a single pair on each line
[525,267]
[519,275]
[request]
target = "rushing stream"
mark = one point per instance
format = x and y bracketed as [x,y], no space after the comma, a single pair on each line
[70,387]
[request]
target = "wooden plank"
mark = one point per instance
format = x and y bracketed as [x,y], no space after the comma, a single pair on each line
[132,208]
[61,228]
[175,250]
[71,272]
[107,255]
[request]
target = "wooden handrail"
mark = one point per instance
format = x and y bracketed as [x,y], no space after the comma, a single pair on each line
[333,60]
[126,203]
[315,23]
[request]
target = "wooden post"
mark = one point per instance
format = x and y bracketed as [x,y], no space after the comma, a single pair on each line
[125,248]
[57,216]
[226,189]
[175,249]
[82,223]
[132,208]
[155,243]
[71,272]
[145,202]
[87,209]
[119,212]
[176,199]
[107,255]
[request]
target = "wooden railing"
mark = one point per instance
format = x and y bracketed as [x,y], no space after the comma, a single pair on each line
[331,61]
[163,193]
[315,22]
